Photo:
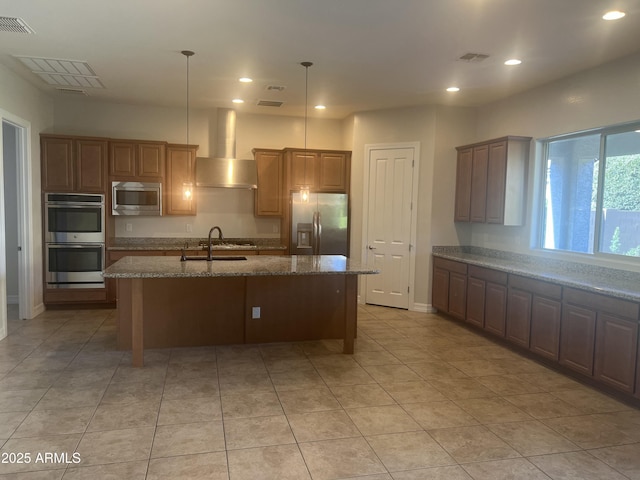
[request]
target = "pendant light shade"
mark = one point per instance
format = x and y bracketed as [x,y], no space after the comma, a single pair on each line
[305,189]
[187,187]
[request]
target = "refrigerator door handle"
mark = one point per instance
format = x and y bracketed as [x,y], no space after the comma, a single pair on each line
[314,241]
[319,230]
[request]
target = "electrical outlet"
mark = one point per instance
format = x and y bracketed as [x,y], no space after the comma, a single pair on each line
[188,228]
[275,229]
[128,227]
[255,312]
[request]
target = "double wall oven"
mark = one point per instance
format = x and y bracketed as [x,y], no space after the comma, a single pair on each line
[74,240]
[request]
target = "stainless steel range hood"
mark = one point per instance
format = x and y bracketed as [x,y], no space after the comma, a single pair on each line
[224,169]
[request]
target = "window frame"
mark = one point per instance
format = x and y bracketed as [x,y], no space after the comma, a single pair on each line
[603,133]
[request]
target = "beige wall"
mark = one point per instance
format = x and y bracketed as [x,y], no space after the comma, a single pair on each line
[602,96]
[22,100]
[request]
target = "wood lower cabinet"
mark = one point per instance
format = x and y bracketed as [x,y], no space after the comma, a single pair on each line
[269,196]
[518,317]
[73,164]
[450,295]
[616,349]
[180,172]
[577,338]
[487,299]
[546,315]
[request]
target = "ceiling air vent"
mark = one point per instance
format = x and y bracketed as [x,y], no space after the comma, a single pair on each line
[72,91]
[14,25]
[269,103]
[275,88]
[62,73]
[474,57]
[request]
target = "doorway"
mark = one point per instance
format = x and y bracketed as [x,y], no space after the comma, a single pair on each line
[389,230]
[16,244]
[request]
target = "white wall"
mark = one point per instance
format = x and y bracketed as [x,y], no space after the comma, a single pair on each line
[602,96]
[23,100]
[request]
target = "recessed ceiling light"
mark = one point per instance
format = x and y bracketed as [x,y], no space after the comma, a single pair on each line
[245,80]
[613,15]
[513,61]
[453,89]
[320,107]
[237,100]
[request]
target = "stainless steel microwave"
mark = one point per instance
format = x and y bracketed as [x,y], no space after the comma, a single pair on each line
[136,198]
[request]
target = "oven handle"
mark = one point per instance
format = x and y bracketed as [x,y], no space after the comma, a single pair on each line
[72,205]
[75,245]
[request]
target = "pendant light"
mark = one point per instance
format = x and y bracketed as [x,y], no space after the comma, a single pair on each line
[305,189]
[187,187]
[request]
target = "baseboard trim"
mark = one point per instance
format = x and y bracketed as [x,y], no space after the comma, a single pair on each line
[423,307]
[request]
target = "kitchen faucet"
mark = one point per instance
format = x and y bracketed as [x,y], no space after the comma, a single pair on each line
[220,237]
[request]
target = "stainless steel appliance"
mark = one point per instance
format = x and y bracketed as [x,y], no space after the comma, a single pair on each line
[75,265]
[320,226]
[136,198]
[74,217]
[74,240]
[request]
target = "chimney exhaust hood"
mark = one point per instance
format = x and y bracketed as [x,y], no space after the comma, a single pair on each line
[224,169]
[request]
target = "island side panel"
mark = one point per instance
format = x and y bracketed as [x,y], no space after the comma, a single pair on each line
[180,312]
[351,312]
[296,308]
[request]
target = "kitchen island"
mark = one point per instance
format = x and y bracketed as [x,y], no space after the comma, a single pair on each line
[164,302]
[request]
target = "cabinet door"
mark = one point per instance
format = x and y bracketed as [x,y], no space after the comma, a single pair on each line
[457,295]
[577,338]
[57,164]
[268,195]
[475,301]
[616,348]
[463,185]
[122,159]
[479,183]
[519,317]
[181,167]
[496,182]
[332,172]
[302,170]
[440,290]
[150,160]
[91,162]
[545,327]
[495,309]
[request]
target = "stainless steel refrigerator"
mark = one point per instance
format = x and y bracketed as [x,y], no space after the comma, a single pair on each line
[320,226]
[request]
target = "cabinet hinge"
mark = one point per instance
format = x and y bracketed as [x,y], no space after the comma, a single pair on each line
[408,289]
[410,247]
[413,163]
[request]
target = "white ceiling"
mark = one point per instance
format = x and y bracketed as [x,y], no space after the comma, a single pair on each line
[367,54]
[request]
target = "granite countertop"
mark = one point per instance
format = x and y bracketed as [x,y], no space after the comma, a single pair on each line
[158,243]
[254,265]
[608,281]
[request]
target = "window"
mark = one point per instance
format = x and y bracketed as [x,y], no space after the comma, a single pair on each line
[592,193]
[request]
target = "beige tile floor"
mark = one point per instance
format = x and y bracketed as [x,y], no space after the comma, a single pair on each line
[422,398]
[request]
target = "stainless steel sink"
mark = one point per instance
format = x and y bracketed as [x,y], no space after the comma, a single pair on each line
[218,258]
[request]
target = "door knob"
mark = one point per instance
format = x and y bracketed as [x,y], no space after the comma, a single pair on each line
[371,248]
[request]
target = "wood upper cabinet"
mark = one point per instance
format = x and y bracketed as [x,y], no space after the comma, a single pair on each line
[137,161]
[479,183]
[181,170]
[269,198]
[464,172]
[491,181]
[320,170]
[73,164]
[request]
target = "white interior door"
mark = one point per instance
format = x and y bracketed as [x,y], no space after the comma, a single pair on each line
[389,223]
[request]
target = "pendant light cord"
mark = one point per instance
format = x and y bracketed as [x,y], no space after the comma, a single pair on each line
[187,53]
[306,66]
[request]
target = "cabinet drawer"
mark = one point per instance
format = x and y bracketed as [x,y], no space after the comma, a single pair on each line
[450,265]
[487,274]
[602,303]
[536,286]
